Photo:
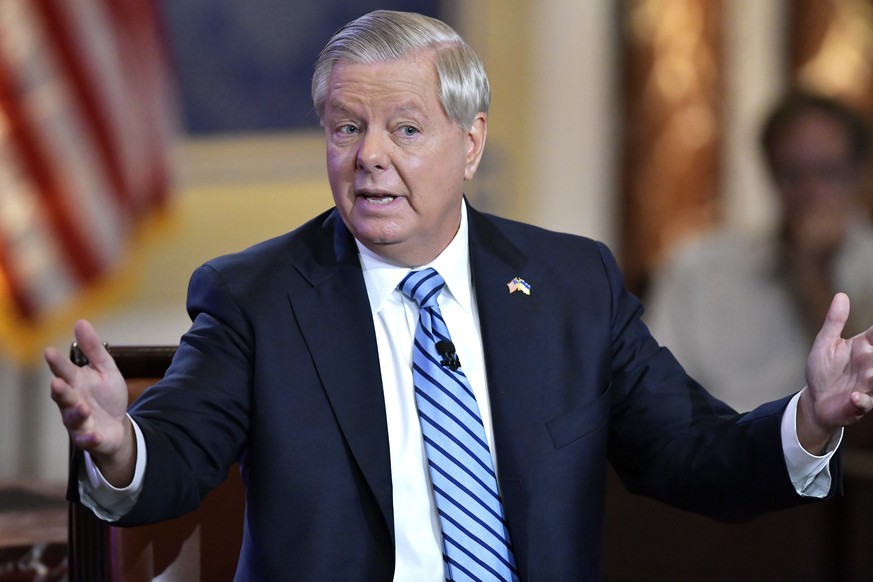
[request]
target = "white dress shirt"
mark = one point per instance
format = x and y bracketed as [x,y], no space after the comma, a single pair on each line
[416,524]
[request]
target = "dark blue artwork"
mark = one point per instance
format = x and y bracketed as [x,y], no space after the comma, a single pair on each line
[244,66]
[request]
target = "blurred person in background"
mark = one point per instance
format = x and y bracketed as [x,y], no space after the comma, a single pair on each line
[712,296]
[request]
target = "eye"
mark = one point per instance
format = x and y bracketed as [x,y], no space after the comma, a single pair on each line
[409,131]
[347,129]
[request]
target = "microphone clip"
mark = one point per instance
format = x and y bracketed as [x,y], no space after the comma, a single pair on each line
[452,361]
[449,358]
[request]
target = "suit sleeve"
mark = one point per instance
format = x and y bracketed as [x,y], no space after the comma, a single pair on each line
[195,420]
[671,440]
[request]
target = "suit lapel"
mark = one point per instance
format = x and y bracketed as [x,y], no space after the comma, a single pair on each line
[510,323]
[333,312]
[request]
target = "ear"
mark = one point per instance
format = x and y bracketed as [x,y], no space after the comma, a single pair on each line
[475,138]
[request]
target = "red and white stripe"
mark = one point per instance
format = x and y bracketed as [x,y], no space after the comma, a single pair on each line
[85,125]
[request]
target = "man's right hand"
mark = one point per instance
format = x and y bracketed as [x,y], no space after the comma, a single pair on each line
[93,405]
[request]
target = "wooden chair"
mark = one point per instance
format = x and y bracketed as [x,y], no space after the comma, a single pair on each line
[201,545]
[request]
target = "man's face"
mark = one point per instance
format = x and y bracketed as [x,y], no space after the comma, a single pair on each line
[395,161]
[817,182]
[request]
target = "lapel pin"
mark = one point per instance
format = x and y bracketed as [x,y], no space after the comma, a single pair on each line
[519,284]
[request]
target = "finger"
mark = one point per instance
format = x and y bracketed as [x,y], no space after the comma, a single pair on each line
[90,344]
[835,321]
[62,393]
[76,418]
[87,441]
[863,403]
[60,365]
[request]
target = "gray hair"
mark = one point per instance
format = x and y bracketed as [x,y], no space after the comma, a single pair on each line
[385,35]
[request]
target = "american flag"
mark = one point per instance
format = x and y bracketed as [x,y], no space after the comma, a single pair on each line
[519,284]
[85,121]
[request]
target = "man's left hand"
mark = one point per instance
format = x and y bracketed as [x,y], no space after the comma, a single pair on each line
[839,377]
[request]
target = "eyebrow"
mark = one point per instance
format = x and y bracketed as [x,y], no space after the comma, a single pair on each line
[408,106]
[334,104]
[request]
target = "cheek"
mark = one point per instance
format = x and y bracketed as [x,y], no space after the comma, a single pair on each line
[438,170]
[338,158]
[339,179]
[338,167]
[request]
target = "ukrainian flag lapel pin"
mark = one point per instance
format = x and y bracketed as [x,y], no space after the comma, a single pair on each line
[519,284]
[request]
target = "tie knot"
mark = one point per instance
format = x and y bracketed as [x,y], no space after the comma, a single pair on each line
[423,287]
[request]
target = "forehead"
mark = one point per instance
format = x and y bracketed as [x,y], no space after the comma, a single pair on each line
[408,83]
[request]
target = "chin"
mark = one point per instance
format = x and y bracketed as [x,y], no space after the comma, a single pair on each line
[379,231]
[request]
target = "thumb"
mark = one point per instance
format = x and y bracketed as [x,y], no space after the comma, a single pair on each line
[835,320]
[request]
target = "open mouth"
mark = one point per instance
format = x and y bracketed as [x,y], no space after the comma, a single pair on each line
[378,198]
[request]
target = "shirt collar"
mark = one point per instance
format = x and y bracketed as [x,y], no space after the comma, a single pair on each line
[453,264]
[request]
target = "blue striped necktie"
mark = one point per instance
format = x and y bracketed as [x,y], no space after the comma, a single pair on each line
[476,544]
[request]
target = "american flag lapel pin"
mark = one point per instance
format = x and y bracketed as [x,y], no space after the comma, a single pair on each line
[519,284]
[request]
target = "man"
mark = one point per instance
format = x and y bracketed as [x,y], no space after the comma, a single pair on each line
[713,294]
[305,352]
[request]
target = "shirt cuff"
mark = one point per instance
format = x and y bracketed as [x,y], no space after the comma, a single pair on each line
[108,502]
[810,474]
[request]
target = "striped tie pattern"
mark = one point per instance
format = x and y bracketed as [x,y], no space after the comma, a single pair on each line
[476,544]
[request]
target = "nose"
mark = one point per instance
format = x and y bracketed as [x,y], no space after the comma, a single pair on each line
[373,151]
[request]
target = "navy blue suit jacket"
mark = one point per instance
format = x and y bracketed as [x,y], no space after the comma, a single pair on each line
[280,371]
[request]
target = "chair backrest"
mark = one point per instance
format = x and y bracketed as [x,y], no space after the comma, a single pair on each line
[201,545]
